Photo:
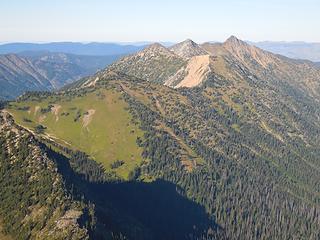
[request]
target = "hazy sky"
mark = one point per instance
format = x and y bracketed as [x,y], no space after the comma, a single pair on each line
[165,20]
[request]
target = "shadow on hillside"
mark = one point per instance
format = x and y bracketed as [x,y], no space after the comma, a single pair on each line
[138,210]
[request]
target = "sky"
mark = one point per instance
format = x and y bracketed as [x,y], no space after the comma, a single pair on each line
[165,20]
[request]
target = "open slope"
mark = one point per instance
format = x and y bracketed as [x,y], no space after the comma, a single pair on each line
[96,123]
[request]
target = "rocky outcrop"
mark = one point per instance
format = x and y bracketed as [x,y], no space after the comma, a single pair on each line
[188,49]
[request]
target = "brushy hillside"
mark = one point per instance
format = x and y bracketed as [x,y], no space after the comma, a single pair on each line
[4,236]
[155,63]
[42,208]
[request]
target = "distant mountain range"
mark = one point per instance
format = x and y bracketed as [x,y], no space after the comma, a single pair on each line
[297,50]
[93,49]
[49,66]
[45,71]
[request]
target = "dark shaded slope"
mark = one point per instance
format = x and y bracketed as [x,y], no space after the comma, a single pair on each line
[137,210]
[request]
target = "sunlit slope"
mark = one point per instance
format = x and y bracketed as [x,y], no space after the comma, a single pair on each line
[97,123]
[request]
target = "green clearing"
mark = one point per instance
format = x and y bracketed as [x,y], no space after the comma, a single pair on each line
[98,124]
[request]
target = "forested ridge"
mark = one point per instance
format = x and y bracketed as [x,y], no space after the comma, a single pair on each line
[236,157]
[34,201]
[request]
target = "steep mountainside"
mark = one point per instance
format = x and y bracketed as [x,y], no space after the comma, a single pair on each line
[62,69]
[196,71]
[188,64]
[155,63]
[34,200]
[44,71]
[229,150]
[184,64]
[245,61]
[18,74]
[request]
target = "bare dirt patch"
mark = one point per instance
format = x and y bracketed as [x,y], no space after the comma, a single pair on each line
[70,218]
[36,109]
[55,111]
[42,118]
[87,118]
[159,107]
[197,68]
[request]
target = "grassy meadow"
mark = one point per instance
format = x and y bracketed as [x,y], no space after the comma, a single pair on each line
[98,124]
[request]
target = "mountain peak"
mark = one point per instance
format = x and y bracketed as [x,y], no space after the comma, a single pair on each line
[243,51]
[234,41]
[155,49]
[189,41]
[233,38]
[188,49]
[155,46]
[235,45]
